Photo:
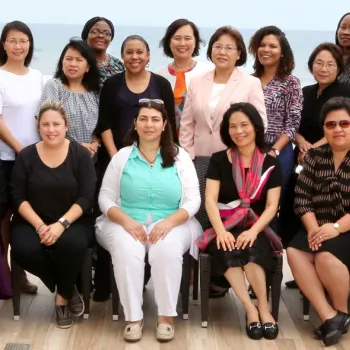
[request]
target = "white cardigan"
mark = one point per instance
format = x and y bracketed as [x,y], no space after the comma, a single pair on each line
[109,195]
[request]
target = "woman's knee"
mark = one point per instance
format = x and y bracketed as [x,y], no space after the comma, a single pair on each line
[327,261]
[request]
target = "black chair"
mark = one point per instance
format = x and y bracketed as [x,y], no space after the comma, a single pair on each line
[86,279]
[185,288]
[273,280]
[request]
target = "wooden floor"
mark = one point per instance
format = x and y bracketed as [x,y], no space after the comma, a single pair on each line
[225,330]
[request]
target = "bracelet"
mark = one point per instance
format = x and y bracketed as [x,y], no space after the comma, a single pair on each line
[38,228]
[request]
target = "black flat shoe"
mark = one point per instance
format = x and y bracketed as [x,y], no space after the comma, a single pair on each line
[319,332]
[254,330]
[335,327]
[270,330]
[292,284]
[214,294]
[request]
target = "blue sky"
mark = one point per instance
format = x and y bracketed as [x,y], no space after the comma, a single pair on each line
[296,14]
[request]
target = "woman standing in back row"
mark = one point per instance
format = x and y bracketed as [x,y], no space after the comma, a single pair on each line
[98,32]
[211,94]
[20,91]
[274,63]
[182,42]
[342,38]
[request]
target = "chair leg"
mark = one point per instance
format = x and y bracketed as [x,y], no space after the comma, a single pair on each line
[185,284]
[16,288]
[115,295]
[306,309]
[195,279]
[204,265]
[276,287]
[86,280]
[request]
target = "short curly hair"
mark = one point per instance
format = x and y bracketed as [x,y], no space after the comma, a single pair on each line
[172,29]
[236,36]
[286,64]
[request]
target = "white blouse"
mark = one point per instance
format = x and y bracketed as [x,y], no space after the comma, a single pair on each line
[19,101]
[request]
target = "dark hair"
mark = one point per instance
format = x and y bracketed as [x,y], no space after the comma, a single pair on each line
[334,50]
[168,149]
[134,37]
[91,79]
[236,36]
[23,28]
[334,104]
[286,64]
[338,26]
[91,22]
[172,29]
[253,115]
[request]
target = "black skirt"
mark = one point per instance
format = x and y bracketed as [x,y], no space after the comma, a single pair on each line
[338,246]
[260,253]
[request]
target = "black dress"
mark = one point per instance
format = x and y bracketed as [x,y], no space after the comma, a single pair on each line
[326,192]
[260,253]
[311,129]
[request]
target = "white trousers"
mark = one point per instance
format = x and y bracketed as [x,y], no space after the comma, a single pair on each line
[128,257]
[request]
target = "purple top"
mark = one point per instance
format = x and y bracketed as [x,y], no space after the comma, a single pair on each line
[284,103]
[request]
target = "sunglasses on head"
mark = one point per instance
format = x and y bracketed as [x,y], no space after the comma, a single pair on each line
[144,101]
[331,125]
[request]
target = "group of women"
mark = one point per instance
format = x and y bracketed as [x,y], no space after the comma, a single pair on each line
[109,130]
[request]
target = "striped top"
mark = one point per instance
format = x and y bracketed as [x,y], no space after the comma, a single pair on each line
[322,190]
[284,103]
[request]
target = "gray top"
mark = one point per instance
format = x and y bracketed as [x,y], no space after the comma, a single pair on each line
[81,109]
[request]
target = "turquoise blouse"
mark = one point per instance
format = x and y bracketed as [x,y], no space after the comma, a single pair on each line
[145,190]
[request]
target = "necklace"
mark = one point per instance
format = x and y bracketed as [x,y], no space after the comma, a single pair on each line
[150,162]
[175,67]
[104,61]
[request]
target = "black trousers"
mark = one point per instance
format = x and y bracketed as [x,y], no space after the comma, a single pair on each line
[57,265]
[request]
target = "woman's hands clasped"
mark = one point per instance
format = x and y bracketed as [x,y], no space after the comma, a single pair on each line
[49,234]
[320,234]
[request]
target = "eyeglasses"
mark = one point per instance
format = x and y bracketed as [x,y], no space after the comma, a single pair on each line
[150,100]
[227,48]
[97,32]
[331,125]
[320,65]
[21,42]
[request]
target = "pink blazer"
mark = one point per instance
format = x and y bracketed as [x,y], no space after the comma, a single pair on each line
[200,135]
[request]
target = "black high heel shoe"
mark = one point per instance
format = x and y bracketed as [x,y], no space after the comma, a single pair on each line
[270,330]
[335,327]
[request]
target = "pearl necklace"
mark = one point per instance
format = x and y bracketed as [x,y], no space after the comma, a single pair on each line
[173,65]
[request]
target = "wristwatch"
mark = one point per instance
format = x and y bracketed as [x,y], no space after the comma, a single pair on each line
[277,152]
[337,227]
[65,223]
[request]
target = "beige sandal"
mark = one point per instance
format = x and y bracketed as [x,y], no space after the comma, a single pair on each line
[133,332]
[165,332]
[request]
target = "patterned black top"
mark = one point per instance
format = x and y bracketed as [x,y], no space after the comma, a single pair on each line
[345,77]
[322,190]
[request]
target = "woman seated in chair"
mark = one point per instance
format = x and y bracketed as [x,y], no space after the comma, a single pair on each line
[149,196]
[242,195]
[319,254]
[52,189]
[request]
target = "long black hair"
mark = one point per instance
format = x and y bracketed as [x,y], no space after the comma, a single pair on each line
[23,28]
[253,115]
[91,79]
[168,149]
